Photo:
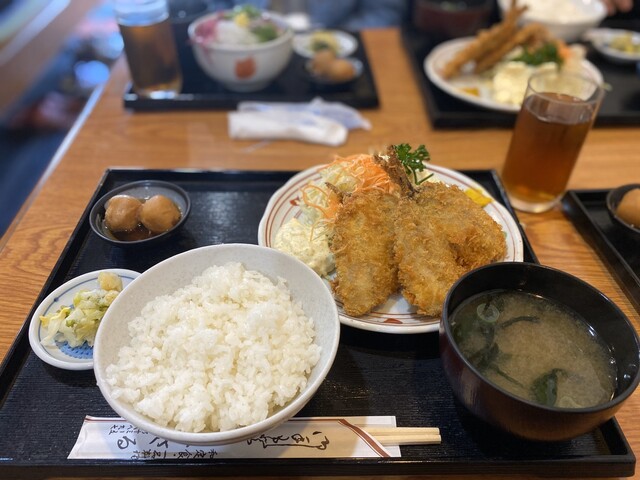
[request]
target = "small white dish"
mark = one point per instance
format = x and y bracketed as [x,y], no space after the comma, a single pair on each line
[396,315]
[347,43]
[601,39]
[61,355]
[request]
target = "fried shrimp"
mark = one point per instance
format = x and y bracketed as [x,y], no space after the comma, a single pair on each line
[527,34]
[362,243]
[485,42]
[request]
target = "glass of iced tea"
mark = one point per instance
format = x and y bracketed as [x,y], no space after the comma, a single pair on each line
[150,47]
[556,115]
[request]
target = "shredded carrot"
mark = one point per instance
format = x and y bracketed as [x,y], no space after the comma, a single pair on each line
[362,169]
[305,198]
[365,171]
[564,51]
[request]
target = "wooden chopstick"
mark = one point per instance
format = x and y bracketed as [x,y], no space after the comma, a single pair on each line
[405,435]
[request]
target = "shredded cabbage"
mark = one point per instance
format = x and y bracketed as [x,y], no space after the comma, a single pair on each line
[78,323]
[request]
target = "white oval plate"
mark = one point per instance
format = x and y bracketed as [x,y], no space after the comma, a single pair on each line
[600,38]
[396,315]
[61,355]
[440,55]
[347,43]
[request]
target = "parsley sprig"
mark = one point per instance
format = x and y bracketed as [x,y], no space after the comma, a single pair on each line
[546,53]
[413,162]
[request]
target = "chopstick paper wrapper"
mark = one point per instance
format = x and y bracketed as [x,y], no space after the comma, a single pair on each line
[329,437]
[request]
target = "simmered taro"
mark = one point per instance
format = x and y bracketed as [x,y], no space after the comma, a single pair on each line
[159,214]
[121,214]
[535,348]
[131,219]
[629,208]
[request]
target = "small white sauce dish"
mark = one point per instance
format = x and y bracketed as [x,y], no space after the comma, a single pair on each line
[347,43]
[61,355]
[601,39]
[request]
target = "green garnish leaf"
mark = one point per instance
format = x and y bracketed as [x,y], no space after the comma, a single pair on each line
[523,318]
[485,357]
[545,387]
[504,375]
[546,53]
[413,162]
[265,32]
[317,45]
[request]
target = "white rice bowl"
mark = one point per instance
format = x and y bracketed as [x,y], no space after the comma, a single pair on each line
[217,345]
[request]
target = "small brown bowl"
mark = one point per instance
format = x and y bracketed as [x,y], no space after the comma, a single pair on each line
[143,189]
[511,413]
[613,200]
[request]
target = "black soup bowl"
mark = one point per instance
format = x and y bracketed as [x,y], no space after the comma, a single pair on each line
[516,415]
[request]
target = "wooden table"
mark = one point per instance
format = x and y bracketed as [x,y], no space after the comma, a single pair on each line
[111,137]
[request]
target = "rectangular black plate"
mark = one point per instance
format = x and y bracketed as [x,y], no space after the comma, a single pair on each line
[42,407]
[616,246]
[294,85]
[621,104]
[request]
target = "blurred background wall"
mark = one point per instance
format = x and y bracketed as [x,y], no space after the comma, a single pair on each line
[53,54]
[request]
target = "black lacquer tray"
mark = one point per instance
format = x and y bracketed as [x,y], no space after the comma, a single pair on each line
[42,408]
[294,85]
[621,104]
[618,248]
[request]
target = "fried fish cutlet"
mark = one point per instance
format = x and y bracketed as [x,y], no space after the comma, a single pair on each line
[473,235]
[440,235]
[363,243]
[427,265]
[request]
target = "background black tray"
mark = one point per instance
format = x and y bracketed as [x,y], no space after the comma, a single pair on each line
[42,407]
[621,104]
[619,249]
[201,92]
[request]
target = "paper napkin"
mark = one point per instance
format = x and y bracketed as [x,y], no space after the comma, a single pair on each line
[317,121]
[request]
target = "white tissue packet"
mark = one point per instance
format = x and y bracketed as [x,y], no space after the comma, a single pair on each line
[347,116]
[286,125]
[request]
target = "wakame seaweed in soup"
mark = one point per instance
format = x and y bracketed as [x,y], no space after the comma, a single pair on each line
[535,348]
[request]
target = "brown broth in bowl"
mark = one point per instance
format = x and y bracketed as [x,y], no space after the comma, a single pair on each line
[535,348]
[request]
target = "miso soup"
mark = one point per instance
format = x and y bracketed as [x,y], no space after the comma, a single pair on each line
[535,348]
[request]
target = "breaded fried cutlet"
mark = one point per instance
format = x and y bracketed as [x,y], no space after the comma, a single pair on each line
[363,246]
[474,236]
[440,235]
[427,265]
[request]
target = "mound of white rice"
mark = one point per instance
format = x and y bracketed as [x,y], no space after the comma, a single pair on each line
[225,351]
[228,33]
